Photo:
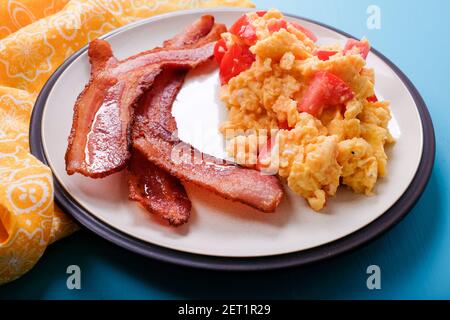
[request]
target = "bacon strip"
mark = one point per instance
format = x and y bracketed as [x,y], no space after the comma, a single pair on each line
[99,141]
[155,189]
[158,191]
[230,181]
[192,34]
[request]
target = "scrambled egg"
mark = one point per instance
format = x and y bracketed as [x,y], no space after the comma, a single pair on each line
[316,155]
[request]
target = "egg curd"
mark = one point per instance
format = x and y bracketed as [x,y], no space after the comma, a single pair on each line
[308,113]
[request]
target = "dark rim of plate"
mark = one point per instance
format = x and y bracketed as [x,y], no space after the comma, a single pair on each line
[350,242]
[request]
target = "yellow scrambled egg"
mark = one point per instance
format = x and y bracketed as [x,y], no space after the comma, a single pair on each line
[342,146]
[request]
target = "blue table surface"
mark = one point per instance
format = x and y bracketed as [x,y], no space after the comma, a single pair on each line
[414,256]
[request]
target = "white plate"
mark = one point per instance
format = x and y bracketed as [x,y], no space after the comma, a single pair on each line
[218,227]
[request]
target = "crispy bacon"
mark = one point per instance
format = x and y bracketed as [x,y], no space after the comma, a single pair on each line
[164,149]
[155,189]
[192,34]
[156,104]
[158,191]
[99,139]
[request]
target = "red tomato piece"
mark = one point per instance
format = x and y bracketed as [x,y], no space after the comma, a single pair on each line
[238,58]
[325,55]
[261,13]
[362,46]
[219,50]
[307,32]
[276,25]
[325,90]
[373,98]
[243,29]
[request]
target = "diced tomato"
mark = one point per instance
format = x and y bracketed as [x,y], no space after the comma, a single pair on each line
[243,29]
[325,90]
[373,98]
[325,55]
[307,32]
[362,46]
[238,58]
[261,13]
[340,93]
[219,50]
[276,25]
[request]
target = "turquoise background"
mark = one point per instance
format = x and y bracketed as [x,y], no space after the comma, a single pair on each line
[414,257]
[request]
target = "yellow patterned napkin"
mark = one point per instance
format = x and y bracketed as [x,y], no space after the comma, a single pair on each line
[35,38]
